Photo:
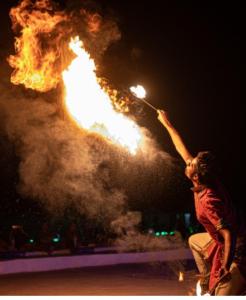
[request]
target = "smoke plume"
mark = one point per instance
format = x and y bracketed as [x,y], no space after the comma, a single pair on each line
[61,164]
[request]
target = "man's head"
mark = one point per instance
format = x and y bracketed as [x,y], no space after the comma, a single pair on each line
[201,169]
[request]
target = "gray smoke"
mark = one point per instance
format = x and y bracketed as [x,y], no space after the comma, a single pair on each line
[130,237]
[59,163]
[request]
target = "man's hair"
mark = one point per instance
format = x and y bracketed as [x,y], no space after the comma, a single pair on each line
[206,167]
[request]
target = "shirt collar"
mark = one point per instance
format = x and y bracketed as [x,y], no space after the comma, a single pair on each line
[198,189]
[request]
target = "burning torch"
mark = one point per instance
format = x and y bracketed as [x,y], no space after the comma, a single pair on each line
[140,93]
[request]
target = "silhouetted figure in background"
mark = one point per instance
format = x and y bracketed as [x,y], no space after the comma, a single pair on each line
[4,245]
[72,238]
[45,236]
[18,238]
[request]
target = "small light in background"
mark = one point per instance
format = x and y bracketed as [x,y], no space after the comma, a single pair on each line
[163,233]
[181,276]
[56,239]
[151,231]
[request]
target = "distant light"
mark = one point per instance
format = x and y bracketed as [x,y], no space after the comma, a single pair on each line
[157,233]
[31,241]
[191,230]
[56,239]
[150,231]
[187,217]
[171,233]
[181,276]
[163,233]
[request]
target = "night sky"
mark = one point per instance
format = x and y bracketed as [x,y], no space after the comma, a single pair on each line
[189,56]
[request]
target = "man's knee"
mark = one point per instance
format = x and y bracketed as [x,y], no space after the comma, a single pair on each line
[199,241]
[192,240]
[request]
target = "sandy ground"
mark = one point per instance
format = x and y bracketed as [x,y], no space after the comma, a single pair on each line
[120,280]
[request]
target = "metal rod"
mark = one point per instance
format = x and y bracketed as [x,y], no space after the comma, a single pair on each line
[146,102]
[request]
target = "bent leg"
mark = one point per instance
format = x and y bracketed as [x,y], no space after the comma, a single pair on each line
[198,244]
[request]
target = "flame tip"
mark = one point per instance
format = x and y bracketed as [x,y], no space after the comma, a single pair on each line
[139,91]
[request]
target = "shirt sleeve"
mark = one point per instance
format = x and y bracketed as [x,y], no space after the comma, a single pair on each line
[188,162]
[215,211]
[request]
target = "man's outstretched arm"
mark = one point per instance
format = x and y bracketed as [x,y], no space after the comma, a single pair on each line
[176,138]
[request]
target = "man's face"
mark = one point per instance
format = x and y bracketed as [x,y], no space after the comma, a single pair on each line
[191,168]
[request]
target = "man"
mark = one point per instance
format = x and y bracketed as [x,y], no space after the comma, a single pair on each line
[220,252]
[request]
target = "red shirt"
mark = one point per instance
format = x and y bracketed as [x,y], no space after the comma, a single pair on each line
[214,211]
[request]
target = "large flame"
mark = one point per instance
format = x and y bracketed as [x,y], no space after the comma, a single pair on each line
[35,61]
[91,106]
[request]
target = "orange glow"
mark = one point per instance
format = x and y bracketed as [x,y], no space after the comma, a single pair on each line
[91,106]
[181,276]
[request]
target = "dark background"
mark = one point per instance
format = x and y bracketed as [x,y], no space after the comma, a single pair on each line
[191,63]
[189,56]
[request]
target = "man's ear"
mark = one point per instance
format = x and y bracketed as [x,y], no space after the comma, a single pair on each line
[195,177]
